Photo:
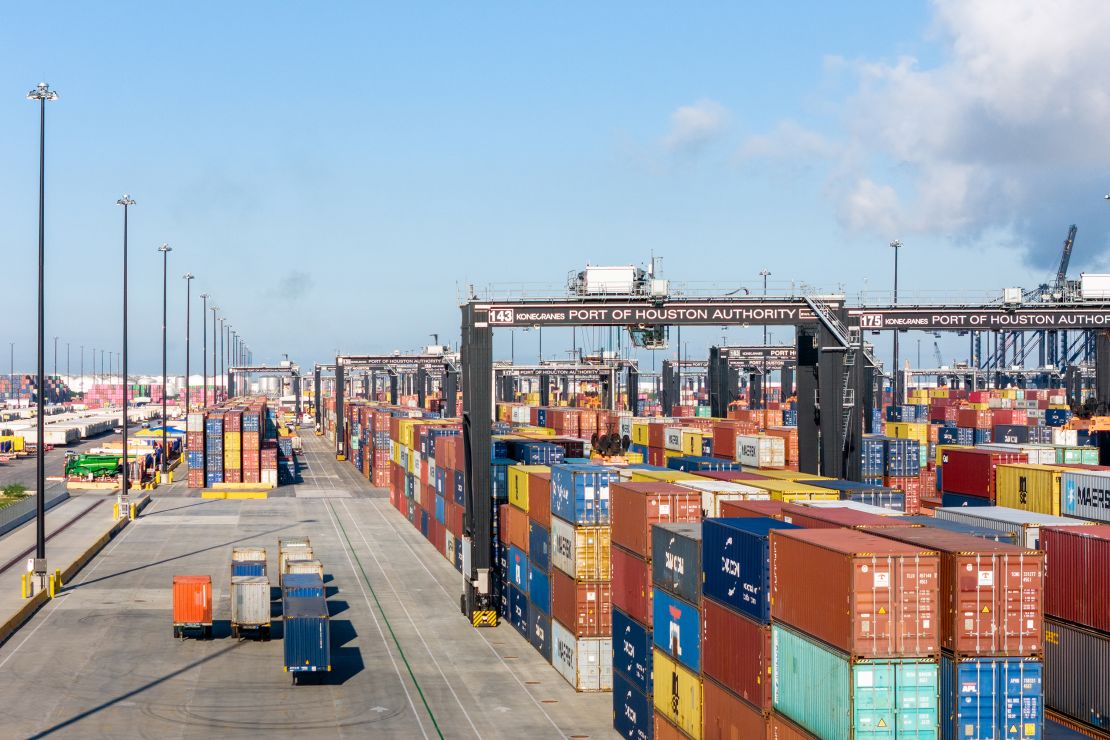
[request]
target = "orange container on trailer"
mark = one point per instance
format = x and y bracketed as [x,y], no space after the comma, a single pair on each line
[192,600]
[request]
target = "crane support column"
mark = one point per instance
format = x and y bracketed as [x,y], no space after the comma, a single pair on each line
[477,363]
[633,390]
[808,455]
[340,437]
[318,404]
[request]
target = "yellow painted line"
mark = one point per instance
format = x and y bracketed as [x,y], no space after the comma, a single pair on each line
[213,494]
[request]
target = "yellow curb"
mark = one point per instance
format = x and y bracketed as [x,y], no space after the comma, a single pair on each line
[235,494]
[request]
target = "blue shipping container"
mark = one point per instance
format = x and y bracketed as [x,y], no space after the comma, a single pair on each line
[539,545]
[676,629]
[632,710]
[539,631]
[518,610]
[736,557]
[302,585]
[424,523]
[1056,417]
[956,499]
[701,463]
[307,635]
[248,568]
[519,568]
[991,698]
[580,493]
[458,554]
[459,488]
[632,650]
[873,453]
[499,480]
[948,435]
[539,589]
[441,510]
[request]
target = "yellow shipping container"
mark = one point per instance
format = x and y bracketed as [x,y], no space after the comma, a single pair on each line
[777,474]
[414,461]
[908,430]
[1033,488]
[677,694]
[779,489]
[15,440]
[640,433]
[667,476]
[518,483]
[534,432]
[404,428]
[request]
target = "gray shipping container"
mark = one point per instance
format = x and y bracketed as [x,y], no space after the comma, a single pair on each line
[250,604]
[1076,664]
[676,559]
[1086,494]
[1002,518]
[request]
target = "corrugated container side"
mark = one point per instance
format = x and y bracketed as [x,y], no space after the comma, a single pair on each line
[729,718]
[736,652]
[583,607]
[1077,587]
[632,589]
[1086,495]
[581,552]
[632,643]
[637,506]
[676,559]
[192,600]
[676,629]
[736,557]
[1073,657]
[307,635]
[250,600]
[586,663]
[677,694]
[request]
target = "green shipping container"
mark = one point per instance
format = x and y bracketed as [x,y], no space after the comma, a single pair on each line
[702,412]
[827,693]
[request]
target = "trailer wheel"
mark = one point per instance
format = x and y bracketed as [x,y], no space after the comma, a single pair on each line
[265,634]
[208,632]
[235,631]
[176,633]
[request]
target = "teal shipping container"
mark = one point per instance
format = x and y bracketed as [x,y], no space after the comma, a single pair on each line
[832,696]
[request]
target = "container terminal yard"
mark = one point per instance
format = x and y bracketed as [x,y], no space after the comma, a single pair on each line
[556,374]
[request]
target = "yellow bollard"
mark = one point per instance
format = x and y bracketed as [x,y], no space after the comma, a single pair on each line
[115,512]
[25,585]
[134,511]
[52,586]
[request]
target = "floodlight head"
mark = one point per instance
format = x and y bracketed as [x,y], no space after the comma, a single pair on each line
[896,244]
[126,200]
[42,92]
[187,276]
[165,248]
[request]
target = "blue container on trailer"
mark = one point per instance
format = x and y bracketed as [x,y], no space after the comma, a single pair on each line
[633,716]
[423,522]
[736,558]
[1056,417]
[248,568]
[958,499]
[689,464]
[1010,538]
[458,488]
[539,545]
[518,610]
[991,698]
[441,510]
[458,554]
[948,435]
[302,585]
[307,635]
[519,568]
[539,633]
[632,650]
[499,480]
[676,628]
[539,589]
[982,436]
[580,493]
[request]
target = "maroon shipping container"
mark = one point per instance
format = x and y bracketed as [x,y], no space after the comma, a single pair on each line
[772,509]
[736,651]
[831,517]
[631,584]
[539,498]
[888,589]
[454,518]
[664,730]
[784,729]
[634,507]
[516,524]
[728,718]
[970,472]
[503,523]
[991,593]
[1077,582]
[233,420]
[583,607]
[1016,417]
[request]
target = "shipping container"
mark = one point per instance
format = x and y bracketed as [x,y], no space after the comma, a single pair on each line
[250,605]
[539,589]
[1034,488]
[971,471]
[954,526]
[1086,495]
[305,566]
[248,568]
[632,643]
[581,552]
[736,559]
[770,509]
[248,553]
[677,694]
[586,663]
[889,589]
[1076,662]
[676,629]
[539,630]
[637,506]
[830,694]
[303,585]
[676,559]
[307,638]
[832,517]
[519,613]
[1027,525]
[632,710]
[991,593]
[736,651]
[539,545]
[580,493]
[761,451]
[726,717]
[716,492]
[519,568]
[632,589]
[1077,575]
[192,605]
[585,608]
[991,698]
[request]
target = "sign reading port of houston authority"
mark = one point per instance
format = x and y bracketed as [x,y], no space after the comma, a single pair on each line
[692,313]
[982,318]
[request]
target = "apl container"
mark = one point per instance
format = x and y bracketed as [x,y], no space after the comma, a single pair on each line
[632,710]
[1086,494]
[736,651]
[676,629]
[637,506]
[1077,577]
[991,698]
[581,552]
[676,559]
[736,558]
[632,650]
[307,635]
[676,694]
[250,602]
[833,696]
[889,591]
[586,663]
[1076,662]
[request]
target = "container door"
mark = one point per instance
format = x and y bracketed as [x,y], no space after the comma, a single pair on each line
[873,714]
[1021,683]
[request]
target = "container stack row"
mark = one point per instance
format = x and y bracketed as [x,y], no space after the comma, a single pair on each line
[240,443]
[304,608]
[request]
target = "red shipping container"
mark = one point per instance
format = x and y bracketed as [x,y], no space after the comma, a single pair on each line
[991,593]
[634,507]
[631,584]
[233,475]
[503,523]
[539,498]
[772,509]
[656,457]
[251,476]
[912,486]
[1017,417]
[971,472]
[193,441]
[657,436]
[728,718]
[889,590]
[831,517]
[974,419]
[583,607]
[736,651]
[455,518]
[1077,584]
[516,522]
[192,600]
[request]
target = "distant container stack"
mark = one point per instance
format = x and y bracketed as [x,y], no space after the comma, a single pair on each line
[238,444]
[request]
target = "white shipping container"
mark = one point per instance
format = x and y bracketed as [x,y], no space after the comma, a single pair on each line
[248,553]
[624,426]
[520,414]
[713,492]
[1004,519]
[856,505]
[250,601]
[1067,437]
[592,542]
[449,541]
[313,566]
[194,422]
[1038,454]
[1086,494]
[761,451]
[672,438]
[1094,286]
[586,663]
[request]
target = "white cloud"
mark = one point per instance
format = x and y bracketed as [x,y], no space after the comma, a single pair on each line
[693,126]
[788,140]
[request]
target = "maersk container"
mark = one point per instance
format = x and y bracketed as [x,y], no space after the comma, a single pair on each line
[676,629]
[519,568]
[632,710]
[1086,494]
[580,493]
[586,662]
[518,611]
[1026,524]
[632,650]
[736,558]
[539,589]
[991,698]
[250,603]
[676,559]
[583,553]
[1076,663]
[833,696]
[539,633]
[307,636]
[539,545]
[302,585]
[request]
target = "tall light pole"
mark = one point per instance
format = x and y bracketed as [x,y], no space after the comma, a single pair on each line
[188,277]
[69,378]
[126,201]
[55,358]
[165,249]
[41,93]
[204,346]
[215,381]
[11,369]
[82,372]
[223,362]
[897,385]
[764,273]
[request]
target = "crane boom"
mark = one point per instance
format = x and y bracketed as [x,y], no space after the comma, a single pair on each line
[1065,258]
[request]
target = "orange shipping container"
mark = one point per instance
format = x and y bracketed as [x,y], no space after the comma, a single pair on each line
[192,600]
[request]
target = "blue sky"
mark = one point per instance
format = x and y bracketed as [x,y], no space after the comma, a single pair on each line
[333,174]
